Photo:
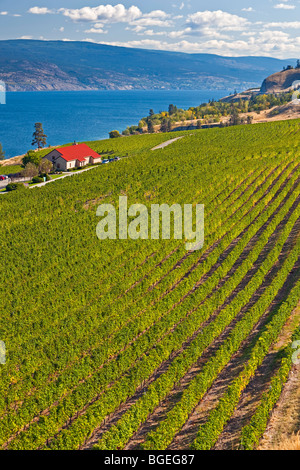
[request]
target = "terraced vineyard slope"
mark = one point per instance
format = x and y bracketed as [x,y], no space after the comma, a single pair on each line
[140,344]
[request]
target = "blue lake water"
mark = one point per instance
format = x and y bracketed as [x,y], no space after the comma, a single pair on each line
[82,116]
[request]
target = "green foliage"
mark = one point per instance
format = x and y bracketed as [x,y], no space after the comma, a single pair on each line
[37,179]
[39,137]
[172,109]
[114,134]
[213,111]
[14,187]
[95,324]
[31,157]
[30,170]
[10,169]
[45,167]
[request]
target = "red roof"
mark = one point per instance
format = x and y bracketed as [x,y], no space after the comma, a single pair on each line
[77,152]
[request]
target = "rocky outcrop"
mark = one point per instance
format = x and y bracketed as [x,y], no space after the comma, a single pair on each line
[280,81]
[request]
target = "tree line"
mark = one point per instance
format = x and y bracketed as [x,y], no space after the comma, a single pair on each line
[211,112]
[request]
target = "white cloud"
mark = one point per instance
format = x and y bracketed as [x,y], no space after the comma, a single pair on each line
[105,13]
[216,20]
[150,32]
[156,14]
[284,25]
[109,14]
[284,6]
[265,43]
[136,29]
[40,11]
[96,31]
[98,28]
[207,31]
[179,33]
[149,21]
[3,13]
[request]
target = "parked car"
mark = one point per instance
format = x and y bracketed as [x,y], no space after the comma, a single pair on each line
[105,161]
[3,177]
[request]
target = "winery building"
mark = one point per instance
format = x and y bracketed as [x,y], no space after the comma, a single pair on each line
[74,156]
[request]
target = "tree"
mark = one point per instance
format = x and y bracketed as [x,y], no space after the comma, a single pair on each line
[30,171]
[150,126]
[249,119]
[235,119]
[199,124]
[166,125]
[172,109]
[31,157]
[39,138]
[133,130]
[45,167]
[2,154]
[151,113]
[114,134]
[298,64]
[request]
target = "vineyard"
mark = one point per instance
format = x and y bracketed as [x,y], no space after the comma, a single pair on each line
[140,344]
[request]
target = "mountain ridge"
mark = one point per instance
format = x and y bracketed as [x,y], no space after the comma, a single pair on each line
[33,65]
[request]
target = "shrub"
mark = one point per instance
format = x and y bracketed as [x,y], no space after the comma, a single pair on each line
[37,179]
[114,134]
[31,157]
[14,186]
[45,175]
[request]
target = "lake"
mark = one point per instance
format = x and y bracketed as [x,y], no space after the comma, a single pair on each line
[84,115]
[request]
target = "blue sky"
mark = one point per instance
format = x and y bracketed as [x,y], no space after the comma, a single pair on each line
[234,28]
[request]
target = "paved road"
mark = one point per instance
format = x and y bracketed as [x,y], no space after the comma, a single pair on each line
[3,184]
[165,144]
[40,185]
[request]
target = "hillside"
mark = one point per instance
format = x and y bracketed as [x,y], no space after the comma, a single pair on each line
[30,65]
[130,344]
[280,82]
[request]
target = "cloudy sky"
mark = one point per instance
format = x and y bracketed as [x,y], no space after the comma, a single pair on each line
[231,28]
